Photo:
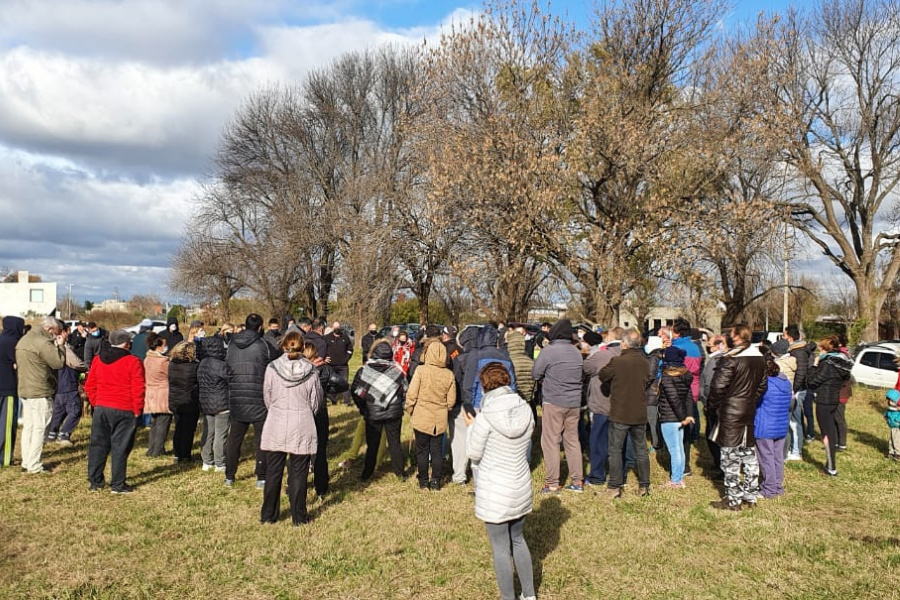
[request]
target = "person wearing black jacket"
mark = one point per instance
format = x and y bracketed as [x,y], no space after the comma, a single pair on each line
[77,339]
[184,398]
[316,336]
[368,340]
[247,357]
[13,330]
[675,410]
[95,338]
[338,350]
[172,335]
[379,391]
[828,374]
[212,379]
[332,383]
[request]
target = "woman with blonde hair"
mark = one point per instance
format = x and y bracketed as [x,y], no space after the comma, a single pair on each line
[156,396]
[184,398]
[293,395]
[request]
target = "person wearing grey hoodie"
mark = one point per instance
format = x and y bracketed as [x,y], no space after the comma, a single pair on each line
[559,368]
[497,440]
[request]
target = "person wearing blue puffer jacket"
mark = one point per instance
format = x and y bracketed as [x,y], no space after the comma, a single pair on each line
[773,414]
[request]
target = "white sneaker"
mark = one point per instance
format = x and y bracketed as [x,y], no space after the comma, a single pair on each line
[207,467]
[794,457]
[220,469]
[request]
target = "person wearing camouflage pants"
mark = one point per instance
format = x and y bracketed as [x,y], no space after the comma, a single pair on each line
[737,491]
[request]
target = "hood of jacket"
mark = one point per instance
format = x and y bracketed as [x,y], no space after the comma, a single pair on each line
[435,354]
[562,330]
[466,338]
[110,354]
[213,347]
[13,327]
[515,343]
[172,321]
[293,372]
[381,351]
[488,337]
[507,413]
[838,360]
[675,371]
[243,339]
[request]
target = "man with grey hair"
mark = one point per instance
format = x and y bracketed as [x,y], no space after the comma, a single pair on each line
[40,354]
[627,377]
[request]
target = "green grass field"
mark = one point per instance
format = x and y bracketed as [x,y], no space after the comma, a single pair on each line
[184,534]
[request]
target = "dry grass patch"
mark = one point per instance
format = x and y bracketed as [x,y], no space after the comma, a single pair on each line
[183,534]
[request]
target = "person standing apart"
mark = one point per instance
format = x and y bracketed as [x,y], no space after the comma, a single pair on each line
[292,394]
[40,354]
[115,386]
[497,440]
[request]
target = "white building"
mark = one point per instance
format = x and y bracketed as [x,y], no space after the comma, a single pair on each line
[21,298]
[112,305]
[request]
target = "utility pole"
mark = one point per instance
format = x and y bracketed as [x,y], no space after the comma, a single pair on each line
[70,303]
[787,280]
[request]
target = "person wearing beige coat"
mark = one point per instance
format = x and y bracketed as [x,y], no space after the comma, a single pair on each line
[431,395]
[156,396]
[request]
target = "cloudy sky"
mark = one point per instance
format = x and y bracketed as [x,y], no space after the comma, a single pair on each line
[110,110]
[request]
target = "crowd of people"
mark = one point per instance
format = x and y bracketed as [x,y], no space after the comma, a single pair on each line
[472,394]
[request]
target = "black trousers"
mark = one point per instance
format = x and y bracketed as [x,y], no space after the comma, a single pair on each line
[841,421]
[617,435]
[321,477]
[185,427]
[233,448]
[112,433]
[714,449]
[429,446]
[298,471]
[826,415]
[159,431]
[373,439]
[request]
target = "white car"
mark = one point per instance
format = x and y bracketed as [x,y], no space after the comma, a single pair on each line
[158,326]
[876,365]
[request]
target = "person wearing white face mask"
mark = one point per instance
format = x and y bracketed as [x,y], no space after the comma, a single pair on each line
[156,399]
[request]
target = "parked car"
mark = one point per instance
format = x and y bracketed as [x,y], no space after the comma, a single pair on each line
[158,326]
[875,365]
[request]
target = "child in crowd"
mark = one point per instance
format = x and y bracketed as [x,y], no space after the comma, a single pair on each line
[892,416]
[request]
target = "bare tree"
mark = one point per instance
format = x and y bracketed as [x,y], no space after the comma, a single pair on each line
[836,84]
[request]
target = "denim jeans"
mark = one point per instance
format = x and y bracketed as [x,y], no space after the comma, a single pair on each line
[673,434]
[599,448]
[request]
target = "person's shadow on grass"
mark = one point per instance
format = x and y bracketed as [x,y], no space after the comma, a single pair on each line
[542,532]
[878,443]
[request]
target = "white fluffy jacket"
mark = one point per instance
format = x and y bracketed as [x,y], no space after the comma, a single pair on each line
[498,442]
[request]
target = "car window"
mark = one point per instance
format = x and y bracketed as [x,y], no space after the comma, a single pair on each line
[869,359]
[887,361]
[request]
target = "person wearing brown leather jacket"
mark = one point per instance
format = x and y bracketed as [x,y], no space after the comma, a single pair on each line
[738,383]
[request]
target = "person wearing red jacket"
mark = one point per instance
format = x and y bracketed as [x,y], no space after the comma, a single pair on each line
[115,388]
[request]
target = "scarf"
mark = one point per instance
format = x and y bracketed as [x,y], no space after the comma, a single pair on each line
[379,382]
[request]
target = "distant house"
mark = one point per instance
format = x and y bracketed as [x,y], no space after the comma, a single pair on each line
[112,305]
[21,298]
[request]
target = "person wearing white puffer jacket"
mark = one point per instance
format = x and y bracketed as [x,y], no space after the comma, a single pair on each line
[497,441]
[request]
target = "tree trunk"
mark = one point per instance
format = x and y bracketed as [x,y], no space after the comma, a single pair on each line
[869,310]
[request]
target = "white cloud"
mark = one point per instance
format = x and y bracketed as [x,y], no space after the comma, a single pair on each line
[110,111]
